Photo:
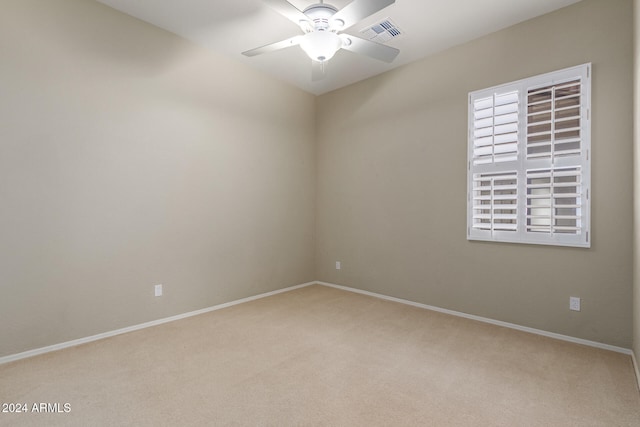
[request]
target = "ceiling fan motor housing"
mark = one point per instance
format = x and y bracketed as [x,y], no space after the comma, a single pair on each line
[319,15]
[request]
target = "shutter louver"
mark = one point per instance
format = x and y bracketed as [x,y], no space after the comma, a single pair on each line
[495,202]
[553,121]
[554,201]
[495,128]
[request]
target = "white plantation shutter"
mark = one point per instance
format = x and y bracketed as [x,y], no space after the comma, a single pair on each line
[554,201]
[495,202]
[495,128]
[529,166]
[553,121]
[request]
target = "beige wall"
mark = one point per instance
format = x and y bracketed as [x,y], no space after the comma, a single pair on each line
[129,157]
[392,182]
[636,180]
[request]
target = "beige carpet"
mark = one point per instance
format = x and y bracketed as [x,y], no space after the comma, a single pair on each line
[321,356]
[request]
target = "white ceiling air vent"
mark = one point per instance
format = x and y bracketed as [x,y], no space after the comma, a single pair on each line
[382,31]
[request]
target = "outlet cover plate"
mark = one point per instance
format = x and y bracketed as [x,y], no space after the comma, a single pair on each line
[574,303]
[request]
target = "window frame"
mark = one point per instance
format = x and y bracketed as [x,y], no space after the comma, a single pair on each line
[578,231]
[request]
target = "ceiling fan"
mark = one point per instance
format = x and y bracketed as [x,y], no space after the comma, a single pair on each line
[322,24]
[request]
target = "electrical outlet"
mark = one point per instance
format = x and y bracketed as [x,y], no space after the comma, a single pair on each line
[574,303]
[338,265]
[158,290]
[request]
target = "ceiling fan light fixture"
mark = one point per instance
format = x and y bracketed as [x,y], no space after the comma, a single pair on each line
[321,45]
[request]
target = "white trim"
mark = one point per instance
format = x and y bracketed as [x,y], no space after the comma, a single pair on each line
[487,320]
[635,367]
[73,343]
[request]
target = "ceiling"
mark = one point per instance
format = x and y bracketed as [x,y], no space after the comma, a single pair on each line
[230,27]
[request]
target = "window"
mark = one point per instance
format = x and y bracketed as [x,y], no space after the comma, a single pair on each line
[528,178]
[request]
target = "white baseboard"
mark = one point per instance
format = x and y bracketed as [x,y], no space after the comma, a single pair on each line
[55,347]
[73,343]
[487,320]
[635,367]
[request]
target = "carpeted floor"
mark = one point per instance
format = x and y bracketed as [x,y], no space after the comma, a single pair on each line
[322,356]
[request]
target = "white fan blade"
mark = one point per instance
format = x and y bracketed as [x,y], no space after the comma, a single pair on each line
[356,11]
[293,41]
[287,10]
[318,70]
[369,48]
